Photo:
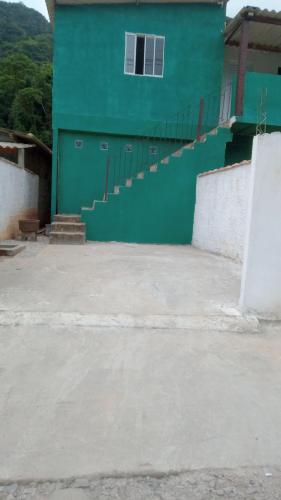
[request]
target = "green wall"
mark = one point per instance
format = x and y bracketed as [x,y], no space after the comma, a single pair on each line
[257,86]
[91,91]
[159,208]
[82,172]
[95,100]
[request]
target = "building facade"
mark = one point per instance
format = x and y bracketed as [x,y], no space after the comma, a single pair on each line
[137,87]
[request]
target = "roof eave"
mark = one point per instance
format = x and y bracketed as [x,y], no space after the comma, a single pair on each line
[51,3]
[27,138]
[245,13]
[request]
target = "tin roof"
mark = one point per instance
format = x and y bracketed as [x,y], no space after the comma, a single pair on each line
[51,3]
[265,29]
[19,140]
[14,145]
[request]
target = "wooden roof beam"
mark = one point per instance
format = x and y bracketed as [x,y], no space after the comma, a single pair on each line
[256,46]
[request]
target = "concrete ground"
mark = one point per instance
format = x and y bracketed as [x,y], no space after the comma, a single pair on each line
[126,372]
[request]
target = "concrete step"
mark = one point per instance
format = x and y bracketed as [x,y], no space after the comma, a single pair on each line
[178,153]
[68,227]
[214,131]
[67,218]
[191,145]
[165,161]
[69,238]
[202,138]
[153,168]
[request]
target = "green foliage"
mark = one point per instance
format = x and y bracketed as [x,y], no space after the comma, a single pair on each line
[18,21]
[38,48]
[26,71]
[25,96]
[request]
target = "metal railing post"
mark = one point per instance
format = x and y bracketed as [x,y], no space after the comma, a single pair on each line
[105,196]
[200,118]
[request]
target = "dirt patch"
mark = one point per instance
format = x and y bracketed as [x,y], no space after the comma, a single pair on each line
[11,231]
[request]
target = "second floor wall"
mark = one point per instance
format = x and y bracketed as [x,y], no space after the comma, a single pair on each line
[95,87]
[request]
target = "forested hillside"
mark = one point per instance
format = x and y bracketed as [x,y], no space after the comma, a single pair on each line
[26,70]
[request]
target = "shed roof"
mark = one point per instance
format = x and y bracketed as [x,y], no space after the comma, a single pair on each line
[51,3]
[265,29]
[4,145]
[19,140]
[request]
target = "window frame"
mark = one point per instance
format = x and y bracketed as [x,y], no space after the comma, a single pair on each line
[145,35]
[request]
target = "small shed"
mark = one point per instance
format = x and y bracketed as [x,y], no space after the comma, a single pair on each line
[27,152]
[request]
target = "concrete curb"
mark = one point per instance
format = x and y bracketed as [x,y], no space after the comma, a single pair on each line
[234,323]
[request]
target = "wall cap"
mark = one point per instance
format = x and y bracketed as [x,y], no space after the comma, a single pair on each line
[225,169]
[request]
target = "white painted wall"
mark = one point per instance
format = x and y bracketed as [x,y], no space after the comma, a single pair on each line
[18,197]
[261,277]
[221,210]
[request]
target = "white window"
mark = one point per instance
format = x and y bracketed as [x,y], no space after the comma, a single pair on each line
[144,55]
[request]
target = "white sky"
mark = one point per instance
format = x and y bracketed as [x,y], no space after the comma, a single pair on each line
[233,5]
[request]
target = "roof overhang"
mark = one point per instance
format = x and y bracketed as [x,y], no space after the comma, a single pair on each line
[13,139]
[14,145]
[265,29]
[52,3]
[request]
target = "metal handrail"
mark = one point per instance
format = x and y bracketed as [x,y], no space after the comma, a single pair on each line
[181,128]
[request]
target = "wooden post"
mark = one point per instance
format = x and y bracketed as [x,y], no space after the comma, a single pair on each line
[242,67]
[21,158]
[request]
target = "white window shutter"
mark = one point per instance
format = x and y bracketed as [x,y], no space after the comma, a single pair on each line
[159,56]
[149,55]
[130,53]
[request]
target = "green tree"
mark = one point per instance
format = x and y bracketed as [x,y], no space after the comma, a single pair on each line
[26,71]
[17,72]
[25,96]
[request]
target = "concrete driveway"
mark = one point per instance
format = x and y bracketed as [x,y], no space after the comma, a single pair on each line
[125,360]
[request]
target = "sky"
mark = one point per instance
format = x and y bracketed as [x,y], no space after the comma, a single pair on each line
[233,5]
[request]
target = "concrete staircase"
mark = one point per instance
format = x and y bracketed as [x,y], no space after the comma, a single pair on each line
[67,229]
[157,204]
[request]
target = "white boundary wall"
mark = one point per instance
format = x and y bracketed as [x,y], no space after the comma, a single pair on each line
[18,197]
[261,277]
[221,210]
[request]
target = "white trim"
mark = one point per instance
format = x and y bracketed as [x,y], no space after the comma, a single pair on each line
[153,64]
[134,35]
[163,63]
[144,55]
[135,55]
[145,35]
[152,37]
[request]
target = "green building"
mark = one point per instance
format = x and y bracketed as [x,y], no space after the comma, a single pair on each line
[144,99]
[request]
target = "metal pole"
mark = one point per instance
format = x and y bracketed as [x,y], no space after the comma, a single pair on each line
[105,197]
[200,118]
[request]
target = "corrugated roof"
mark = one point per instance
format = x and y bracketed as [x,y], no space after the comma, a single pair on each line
[51,3]
[265,29]
[15,145]
[15,137]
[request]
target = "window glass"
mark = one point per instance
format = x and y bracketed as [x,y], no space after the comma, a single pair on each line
[140,55]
